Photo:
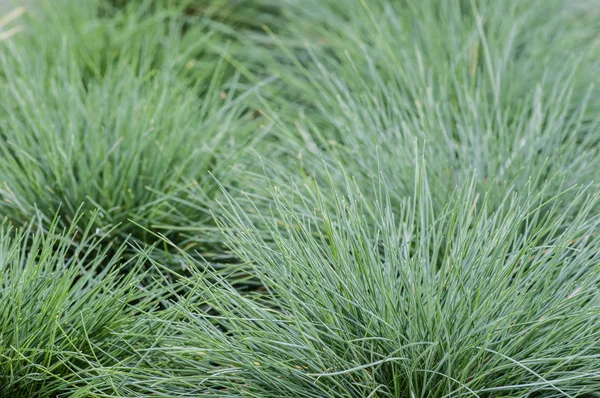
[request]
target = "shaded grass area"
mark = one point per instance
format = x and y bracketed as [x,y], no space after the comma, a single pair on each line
[332,198]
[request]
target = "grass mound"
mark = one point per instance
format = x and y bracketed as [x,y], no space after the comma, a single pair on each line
[375,85]
[127,141]
[419,303]
[62,309]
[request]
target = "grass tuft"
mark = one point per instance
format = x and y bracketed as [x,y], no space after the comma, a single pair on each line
[62,307]
[129,141]
[414,303]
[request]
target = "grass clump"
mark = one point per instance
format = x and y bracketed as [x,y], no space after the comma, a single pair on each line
[127,143]
[62,308]
[414,303]
[472,85]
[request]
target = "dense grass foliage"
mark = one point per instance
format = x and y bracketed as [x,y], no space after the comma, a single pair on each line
[473,85]
[63,307]
[126,140]
[301,198]
[419,303]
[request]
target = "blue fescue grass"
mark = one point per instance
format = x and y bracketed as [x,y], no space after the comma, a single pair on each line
[347,198]
[63,307]
[417,302]
[470,85]
[123,128]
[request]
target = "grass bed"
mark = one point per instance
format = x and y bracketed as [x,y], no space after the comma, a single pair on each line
[332,198]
